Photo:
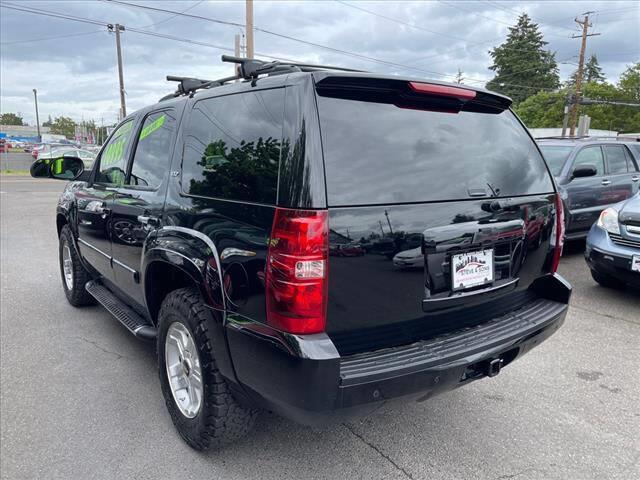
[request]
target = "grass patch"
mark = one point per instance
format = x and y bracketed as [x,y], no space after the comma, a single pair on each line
[14,172]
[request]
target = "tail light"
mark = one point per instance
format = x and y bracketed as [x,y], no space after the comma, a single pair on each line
[442,90]
[559,230]
[296,272]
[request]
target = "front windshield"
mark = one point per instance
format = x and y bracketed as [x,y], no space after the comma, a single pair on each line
[556,156]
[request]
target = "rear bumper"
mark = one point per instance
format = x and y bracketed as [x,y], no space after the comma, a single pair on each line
[304,378]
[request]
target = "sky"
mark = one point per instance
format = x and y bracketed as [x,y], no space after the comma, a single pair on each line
[73,66]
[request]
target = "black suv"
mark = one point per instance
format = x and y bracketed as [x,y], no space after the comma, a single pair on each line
[205,224]
[592,174]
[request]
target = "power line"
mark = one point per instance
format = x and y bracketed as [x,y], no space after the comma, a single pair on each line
[288,37]
[52,37]
[194,42]
[452,5]
[401,22]
[173,16]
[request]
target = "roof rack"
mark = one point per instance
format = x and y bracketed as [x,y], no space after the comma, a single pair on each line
[620,138]
[248,69]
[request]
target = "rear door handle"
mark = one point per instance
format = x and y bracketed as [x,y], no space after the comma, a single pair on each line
[635,178]
[606,182]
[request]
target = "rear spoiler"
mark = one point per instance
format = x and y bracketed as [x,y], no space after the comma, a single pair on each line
[412,94]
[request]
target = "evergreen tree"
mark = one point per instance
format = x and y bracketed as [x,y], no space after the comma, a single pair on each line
[592,72]
[521,64]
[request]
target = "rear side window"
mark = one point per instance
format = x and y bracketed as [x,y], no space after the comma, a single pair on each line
[378,153]
[616,159]
[153,151]
[232,147]
[556,156]
[590,156]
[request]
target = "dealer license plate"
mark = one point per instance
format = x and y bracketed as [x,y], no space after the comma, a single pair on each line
[635,263]
[471,269]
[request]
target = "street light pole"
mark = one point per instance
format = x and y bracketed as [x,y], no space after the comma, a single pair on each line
[35,97]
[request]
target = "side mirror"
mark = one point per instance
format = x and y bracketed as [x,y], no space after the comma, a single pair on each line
[584,171]
[63,168]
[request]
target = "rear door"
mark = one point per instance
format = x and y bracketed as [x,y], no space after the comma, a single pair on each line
[464,178]
[587,196]
[138,203]
[622,171]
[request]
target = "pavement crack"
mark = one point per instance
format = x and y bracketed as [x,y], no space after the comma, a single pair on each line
[378,451]
[517,474]
[100,347]
[607,315]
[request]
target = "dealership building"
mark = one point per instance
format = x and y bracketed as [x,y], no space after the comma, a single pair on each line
[27,133]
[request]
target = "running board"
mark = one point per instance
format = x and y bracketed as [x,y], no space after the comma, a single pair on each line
[125,314]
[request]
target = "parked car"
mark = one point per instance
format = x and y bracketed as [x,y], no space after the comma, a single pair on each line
[3,145]
[86,156]
[204,225]
[46,148]
[613,245]
[413,258]
[592,174]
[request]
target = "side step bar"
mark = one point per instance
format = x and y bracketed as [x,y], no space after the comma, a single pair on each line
[137,325]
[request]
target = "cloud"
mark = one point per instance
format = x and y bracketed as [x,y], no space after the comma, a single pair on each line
[75,73]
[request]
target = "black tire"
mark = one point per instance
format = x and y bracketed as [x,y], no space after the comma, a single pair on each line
[607,280]
[221,419]
[77,295]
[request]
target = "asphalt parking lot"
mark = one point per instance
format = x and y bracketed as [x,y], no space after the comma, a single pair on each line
[80,397]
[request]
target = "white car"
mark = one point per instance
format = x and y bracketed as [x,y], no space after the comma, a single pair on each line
[86,156]
[413,258]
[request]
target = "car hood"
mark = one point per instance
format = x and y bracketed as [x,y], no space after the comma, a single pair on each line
[630,210]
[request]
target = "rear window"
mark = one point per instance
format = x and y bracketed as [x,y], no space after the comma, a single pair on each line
[377,153]
[556,156]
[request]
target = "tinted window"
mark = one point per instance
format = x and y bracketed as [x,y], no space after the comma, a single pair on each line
[113,161]
[556,156]
[590,156]
[151,159]
[232,147]
[632,165]
[378,153]
[616,159]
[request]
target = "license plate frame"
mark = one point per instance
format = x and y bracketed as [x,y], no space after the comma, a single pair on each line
[635,263]
[481,272]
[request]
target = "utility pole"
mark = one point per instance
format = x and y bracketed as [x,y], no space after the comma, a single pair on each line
[573,116]
[386,214]
[35,97]
[249,27]
[117,28]
[236,52]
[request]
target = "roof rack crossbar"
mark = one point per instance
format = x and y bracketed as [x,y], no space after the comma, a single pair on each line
[248,69]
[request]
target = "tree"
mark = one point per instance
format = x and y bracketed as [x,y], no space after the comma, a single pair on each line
[592,72]
[629,84]
[48,123]
[545,109]
[64,126]
[521,64]
[11,119]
